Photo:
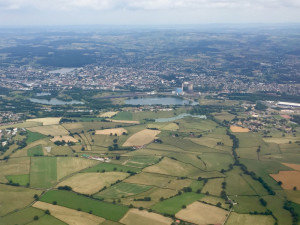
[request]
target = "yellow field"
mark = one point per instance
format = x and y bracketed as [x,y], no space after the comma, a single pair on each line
[46,121]
[90,183]
[247,219]
[118,131]
[14,166]
[12,198]
[125,121]
[236,129]
[69,165]
[64,138]
[69,216]
[171,167]
[53,130]
[289,179]
[138,217]
[108,114]
[141,138]
[200,213]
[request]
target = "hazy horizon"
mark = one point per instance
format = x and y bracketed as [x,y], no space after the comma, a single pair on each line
[147,12]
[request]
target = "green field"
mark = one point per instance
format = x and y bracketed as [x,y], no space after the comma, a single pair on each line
[141,161]
[74,201]
[123,116]
[43,172]
[35,151]
[123,190]
[22,217]
[216,161]
[246,204]
[108,167]
[33,136]
[174,204]
[22,179]
[47,220]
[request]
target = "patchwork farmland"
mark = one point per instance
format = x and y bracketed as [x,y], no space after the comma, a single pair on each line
[133,170]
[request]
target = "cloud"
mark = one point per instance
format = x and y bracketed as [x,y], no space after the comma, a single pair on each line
[142,4]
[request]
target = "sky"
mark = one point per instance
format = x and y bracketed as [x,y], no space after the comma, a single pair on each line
[146,12]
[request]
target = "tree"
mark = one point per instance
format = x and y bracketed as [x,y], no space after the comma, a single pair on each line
[47,212]
[35,217]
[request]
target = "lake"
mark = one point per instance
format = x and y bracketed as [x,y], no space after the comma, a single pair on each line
[54,101]
[159,101]
[180,116]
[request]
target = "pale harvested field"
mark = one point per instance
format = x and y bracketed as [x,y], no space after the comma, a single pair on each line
[200,213]
[108,114]
[64,138]
[69,216]
[90,183]
[125,121]
[69,165]
[53,130]
[12,198]
[289,179]
[14,166]
[142,217]
[293,166]
[46,121]
[247,219]
[171,167]
[141,138]
[118,131]
[71,126]
[236,129]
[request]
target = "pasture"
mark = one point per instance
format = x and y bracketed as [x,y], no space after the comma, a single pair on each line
[141,138]
[123,116]
[46,121]
[12,198]
[174,204]
[33,136]
[115,131]
[135,216]
[246,204]
[109,167]
[43,172]
[141,161]
[200,213]
[245,219]
[53,130]
[69,216]
[123,190]
[21,217]
[90,183]
[22,179]
[213,186]
[35,151]
[47,220]
[72,200]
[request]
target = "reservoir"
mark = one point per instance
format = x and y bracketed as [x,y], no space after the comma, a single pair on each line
[54,101]
[159,101]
